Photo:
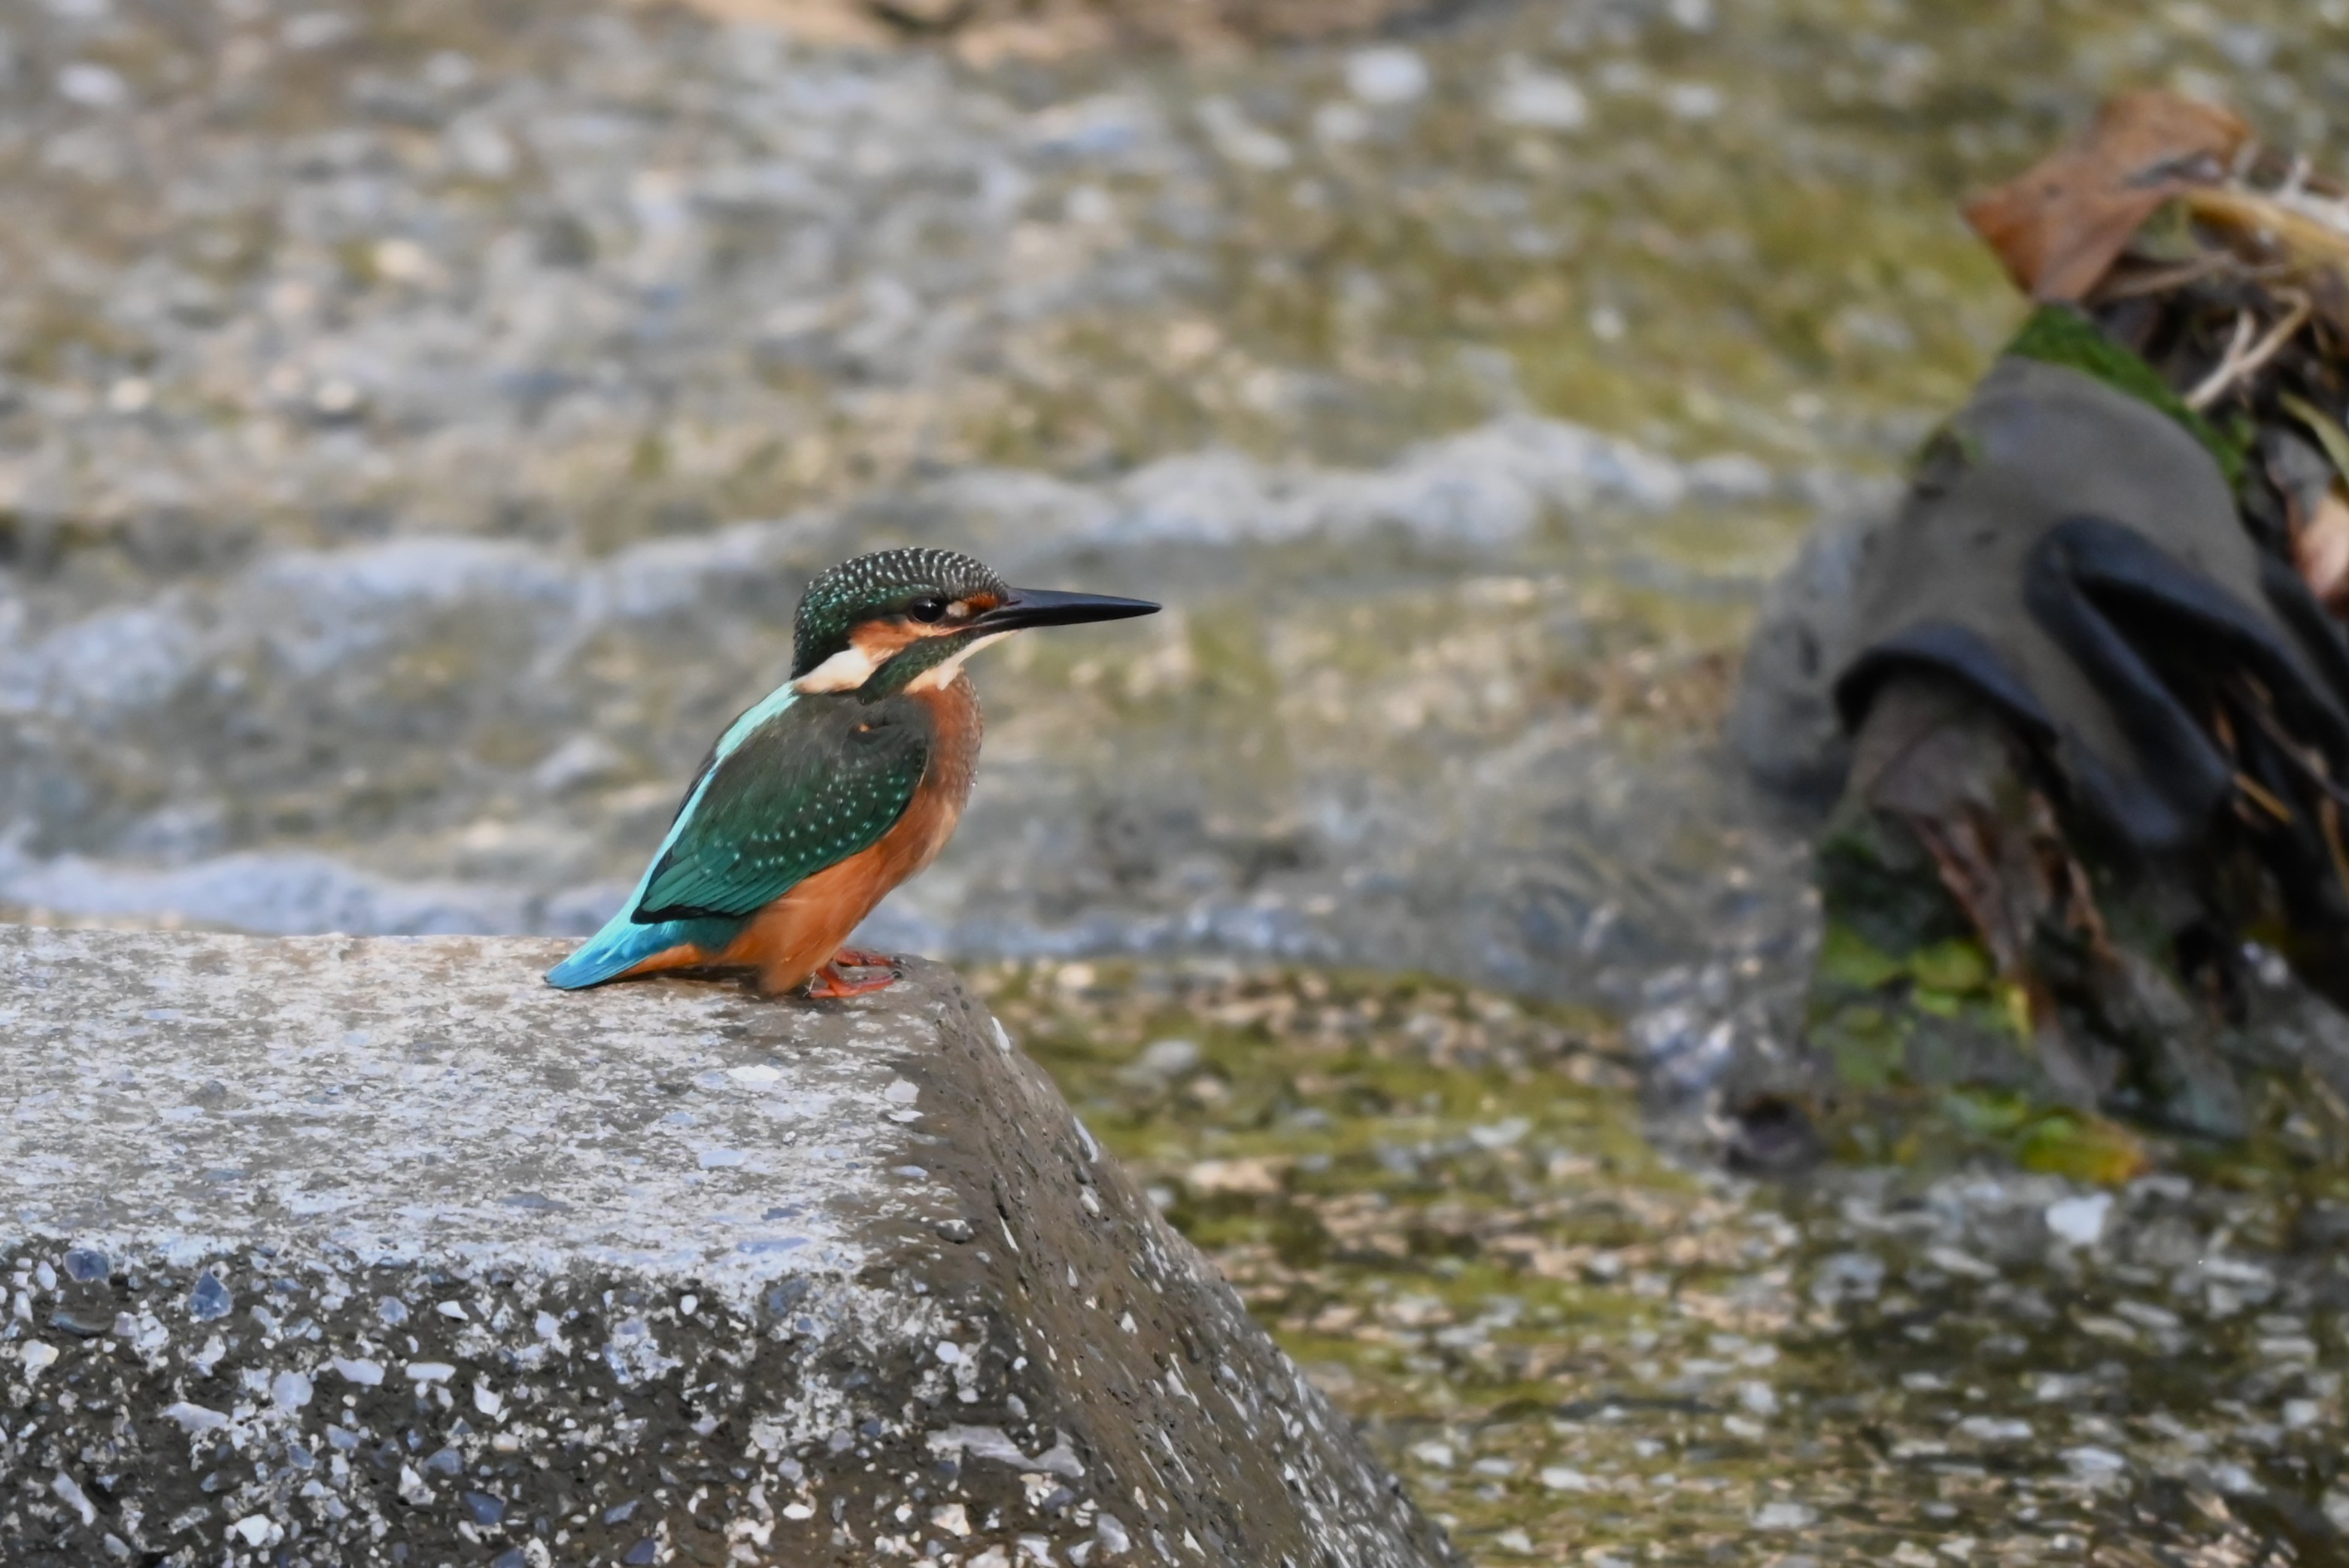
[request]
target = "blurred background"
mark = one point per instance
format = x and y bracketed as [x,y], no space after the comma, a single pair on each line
[418,420]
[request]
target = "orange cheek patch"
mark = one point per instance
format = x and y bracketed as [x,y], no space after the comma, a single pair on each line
[879,641]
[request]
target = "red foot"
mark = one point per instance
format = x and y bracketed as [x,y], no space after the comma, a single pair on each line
[831,985]
[861,958]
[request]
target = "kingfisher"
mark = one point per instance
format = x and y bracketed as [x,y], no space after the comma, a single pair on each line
[837,786]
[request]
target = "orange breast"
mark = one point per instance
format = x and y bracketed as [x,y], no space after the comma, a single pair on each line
[794,936]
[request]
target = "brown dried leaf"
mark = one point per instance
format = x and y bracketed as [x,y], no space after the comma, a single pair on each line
[2059,226]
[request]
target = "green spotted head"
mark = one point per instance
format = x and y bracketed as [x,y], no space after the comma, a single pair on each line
[882,622]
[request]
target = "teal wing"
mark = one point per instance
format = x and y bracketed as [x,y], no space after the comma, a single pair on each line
[811,786]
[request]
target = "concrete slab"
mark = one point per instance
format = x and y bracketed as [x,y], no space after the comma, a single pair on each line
[358,1252]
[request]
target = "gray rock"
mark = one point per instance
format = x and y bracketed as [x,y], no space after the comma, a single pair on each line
[408,1258]
[1783,725]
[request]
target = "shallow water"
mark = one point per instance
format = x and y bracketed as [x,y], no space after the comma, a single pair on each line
[420,419]
[1575,1352]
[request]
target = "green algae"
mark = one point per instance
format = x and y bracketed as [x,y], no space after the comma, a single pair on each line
[2085,1148]
[1933,1062]
[2059,335]
[1575,1350]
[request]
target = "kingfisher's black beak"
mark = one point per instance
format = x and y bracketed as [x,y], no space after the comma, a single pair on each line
[1043,607]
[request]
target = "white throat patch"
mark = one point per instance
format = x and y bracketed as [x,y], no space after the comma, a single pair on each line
[943,674]
[844,671]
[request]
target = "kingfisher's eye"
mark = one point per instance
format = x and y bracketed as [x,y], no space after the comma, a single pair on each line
[932,608]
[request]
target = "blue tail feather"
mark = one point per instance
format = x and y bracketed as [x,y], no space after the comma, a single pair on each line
[623,945]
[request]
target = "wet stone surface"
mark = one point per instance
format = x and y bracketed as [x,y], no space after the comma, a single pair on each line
[338,1251]
[1576,1351]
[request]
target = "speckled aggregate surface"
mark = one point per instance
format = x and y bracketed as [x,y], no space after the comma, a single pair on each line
[361,1250]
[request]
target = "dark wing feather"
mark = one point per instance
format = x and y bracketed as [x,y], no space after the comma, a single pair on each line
[820,780]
